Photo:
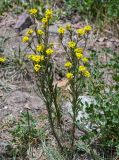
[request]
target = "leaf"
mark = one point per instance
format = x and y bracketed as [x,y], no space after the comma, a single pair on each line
[116,78]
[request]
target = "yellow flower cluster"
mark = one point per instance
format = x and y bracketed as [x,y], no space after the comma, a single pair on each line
[87,28]
[40,48]
[84,71]
[25,39]
[71,44]
[69,75]
[40,32]
[36,58]
[48,14]
[49,51]
[68,64]
[37,67]
[82,68]
[33,11]
[29,32]
[78,50]
[87,74]
[84,30]
[81,32]
[79,55]
[61,30]
[44,20]
[2,59]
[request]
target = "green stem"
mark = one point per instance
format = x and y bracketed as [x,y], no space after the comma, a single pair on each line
[48,101]
[74,106]
[52,127]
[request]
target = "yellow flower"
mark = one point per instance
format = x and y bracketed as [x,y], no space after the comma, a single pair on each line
[87,28]
[37,67]
[36,58]
[61,30]
[79,55]
[40,48]
[42,58]
[29,32]
[71,44]
[44,20]
[81,32]
[78,50]
[49,51]
[48,13]
[84,59]
[82,68]
[69,75]
[68,26]
[33,11]
[86,74]
[2,59]
[25,39]
[40,32]
[68,64]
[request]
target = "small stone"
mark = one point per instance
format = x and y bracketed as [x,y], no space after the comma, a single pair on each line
[82,114]
[1,94]
[53,28]
[24,21]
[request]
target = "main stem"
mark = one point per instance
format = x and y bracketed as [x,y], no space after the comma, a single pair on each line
[52,127]
[48,103]
[74,109]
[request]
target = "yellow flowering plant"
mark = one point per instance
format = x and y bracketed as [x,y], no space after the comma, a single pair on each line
[41,58]
[77,72]
[78,78]
[76,67]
